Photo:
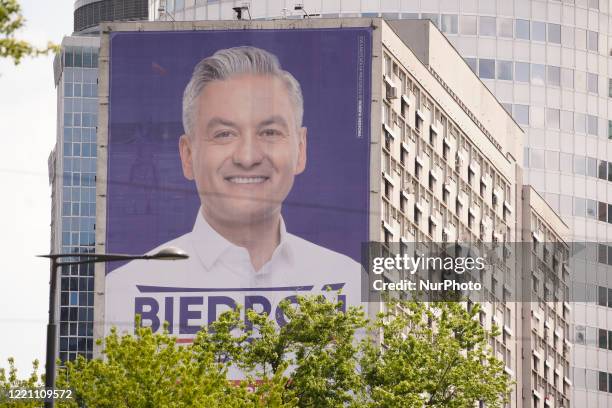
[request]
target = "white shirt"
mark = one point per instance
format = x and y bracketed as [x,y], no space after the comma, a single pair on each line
[218,274]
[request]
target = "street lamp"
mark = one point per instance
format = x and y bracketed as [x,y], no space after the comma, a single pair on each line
[164,254]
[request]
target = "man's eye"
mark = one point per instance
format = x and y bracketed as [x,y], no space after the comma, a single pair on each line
[223,134]
[271,133]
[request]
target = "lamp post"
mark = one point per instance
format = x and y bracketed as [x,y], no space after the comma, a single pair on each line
[164,254]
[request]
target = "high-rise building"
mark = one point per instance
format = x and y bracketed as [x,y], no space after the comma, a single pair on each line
[548,63]
[445,166]
[72,166]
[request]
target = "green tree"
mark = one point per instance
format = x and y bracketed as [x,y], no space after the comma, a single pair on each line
[11,20]
[11,380]
[433,355]
[151,370]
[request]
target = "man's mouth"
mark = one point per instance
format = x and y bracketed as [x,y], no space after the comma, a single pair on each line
[247,180]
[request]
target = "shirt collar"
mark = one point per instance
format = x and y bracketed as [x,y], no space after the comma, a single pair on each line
[209,245]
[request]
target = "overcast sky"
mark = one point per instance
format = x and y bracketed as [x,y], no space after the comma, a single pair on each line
[27,135]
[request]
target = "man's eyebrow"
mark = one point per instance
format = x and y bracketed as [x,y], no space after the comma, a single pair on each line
[274,120]
[217,121]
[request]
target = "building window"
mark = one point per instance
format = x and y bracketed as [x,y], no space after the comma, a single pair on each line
[522,29]
[505,27]
[469,25]
[521,71]
[538,31]
[592,82]
[554,33]
[449,24]
[592,125]
[435,18]
[504,70]
[487,26]
[486,68]
[538,74]
[552,118]
[603,381]
[473,64]
[602,212]
[521,114]
[602,171]
[553,75]
[567,78]
[603,339]
[593,41]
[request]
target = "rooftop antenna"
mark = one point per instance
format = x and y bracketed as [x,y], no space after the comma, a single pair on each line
[162,10]
[300,6]
[240,9]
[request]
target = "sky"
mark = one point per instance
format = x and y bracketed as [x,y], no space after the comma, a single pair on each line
[27,135]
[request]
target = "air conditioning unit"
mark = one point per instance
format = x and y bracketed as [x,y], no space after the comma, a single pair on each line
[391,92]
[458,161]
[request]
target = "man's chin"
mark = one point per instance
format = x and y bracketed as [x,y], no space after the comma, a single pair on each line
[247,217]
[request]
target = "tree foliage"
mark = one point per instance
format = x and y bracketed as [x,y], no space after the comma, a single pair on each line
[11,20]
[10,380]
[414,355]
[434,355]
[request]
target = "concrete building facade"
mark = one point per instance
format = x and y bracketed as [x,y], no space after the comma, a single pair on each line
[548,63]
[72,167]
[445,166]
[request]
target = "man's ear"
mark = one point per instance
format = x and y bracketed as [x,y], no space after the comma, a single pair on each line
[185,151]
[301,161]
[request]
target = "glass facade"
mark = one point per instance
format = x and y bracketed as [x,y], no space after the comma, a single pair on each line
[78,90]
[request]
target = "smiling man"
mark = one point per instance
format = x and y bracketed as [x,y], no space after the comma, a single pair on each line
[244,143]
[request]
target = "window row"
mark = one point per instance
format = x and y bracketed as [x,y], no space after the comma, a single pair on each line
[77,298]
[76,329]
[589,379]
[77,224]
[79,134]
[581,207]
[488,26]
[77,270]
[567,163]
[80,90]
[78,344]
[83,314]
[76,283]
[79,194]
[78,238]
[80,57]
[535,74]
[80,149]
[80,75]
[79,179]
[79,209]
[79,119]
[80,163]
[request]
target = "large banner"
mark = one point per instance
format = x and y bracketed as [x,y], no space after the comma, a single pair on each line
[247,149]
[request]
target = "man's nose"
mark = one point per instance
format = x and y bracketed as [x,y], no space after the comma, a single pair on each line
[248,152]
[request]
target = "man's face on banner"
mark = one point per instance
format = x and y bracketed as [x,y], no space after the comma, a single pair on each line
[246,148]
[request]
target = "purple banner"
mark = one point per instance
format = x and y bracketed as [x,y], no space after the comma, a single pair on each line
[149,200]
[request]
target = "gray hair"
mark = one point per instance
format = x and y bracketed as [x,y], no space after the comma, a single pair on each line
[226,63]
